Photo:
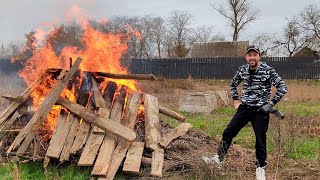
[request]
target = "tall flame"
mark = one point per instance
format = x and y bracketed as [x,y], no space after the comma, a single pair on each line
[101,52]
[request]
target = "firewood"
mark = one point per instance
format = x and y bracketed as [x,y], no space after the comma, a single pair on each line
[83,99]
[175,133]
[97,136]
[18,99]
[129,119]
[23,97]
[94,118]
[65,153]
[45,107]
[8,124]
[147,161]
[59,136]
[171,113]
[106,150]
[115,76]
[100,103]
[127,76]
[157,162]
[133,158]
[90,150]
[152,122]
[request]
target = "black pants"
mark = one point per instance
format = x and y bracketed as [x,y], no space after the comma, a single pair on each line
[259,121]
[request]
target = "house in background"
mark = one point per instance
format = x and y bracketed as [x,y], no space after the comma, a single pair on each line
[306,52]
[219,49]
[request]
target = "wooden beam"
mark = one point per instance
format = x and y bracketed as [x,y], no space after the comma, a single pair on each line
[99,103]
[157,162]
[66,151]
[171,113]
[98,99]
[102,163]
[59,136]
[94,118]
[46,106]
[152,122]
[175,133]
[90,150]
[129,119]
[115,76]
[24,96]
[133,158]
[84,99]
[18,99]
[8,124]
[127,76]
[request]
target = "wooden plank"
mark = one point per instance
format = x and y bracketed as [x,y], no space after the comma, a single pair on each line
[129,119]
[175,133]
[152,122]
[81,136]
[13,98]
[127,76]
[24,96]
[117,76]
[6,125]
[171,113]
[94,118]
[43,110]
[157,162]
[84,129]
[65,153]
[102,163]
[59,136]
[90,150]
[98,99]
[133,158]
[99,103]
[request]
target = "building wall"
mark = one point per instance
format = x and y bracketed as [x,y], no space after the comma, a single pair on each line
[219,49]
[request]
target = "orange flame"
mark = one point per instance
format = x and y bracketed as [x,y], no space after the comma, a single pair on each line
[101,52]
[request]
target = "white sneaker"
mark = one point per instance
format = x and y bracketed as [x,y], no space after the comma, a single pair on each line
[213,160]
[260,173]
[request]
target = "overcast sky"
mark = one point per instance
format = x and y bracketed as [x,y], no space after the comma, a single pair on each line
[18,17]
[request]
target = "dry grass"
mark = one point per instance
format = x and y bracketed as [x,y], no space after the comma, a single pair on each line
[299,90]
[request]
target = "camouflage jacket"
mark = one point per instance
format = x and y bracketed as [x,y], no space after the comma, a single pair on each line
[256,89]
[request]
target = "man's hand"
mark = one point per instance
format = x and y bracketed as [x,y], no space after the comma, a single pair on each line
[236,104]
[266,108]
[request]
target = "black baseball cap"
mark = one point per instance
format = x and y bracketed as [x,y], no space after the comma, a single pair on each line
[253,48]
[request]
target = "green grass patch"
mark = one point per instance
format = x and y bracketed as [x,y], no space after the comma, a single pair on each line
[33,170]
[303,148]
[302,109]
[214,124]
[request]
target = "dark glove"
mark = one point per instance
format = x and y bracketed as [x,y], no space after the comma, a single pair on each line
[266,108]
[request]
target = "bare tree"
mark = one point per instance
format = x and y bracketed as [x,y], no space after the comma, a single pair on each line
[239,14]
[179,22]
[293,39]
[158,34]
[267,43]
[205,34]
[309,22]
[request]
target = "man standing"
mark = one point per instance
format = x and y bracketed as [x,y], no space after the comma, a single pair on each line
[253,106]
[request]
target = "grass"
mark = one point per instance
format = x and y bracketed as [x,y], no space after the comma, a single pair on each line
[36,171]
[297,147]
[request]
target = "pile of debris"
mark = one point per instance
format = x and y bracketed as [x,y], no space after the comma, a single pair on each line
[104,127]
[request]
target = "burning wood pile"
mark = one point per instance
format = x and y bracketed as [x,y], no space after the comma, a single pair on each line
[90,121]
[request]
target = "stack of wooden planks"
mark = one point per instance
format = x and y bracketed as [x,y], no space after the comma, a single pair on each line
[99,126]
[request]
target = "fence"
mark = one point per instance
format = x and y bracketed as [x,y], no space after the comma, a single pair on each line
[224,67]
